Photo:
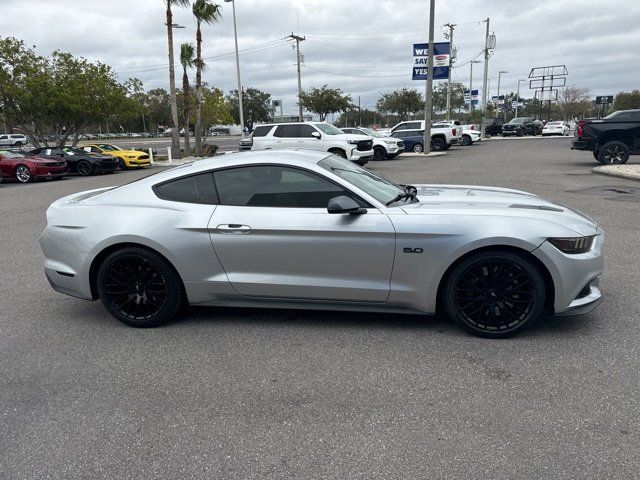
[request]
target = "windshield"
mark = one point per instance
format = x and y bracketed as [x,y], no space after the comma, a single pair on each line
[109,147]
[379,188]
[328,129]
[373,133]
[518,120]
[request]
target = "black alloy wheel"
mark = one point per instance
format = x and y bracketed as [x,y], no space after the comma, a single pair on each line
[379,153]
[495,294]
[466,140]
[139,287]
[121,165]
[83,168]
[613,153]
[437,144]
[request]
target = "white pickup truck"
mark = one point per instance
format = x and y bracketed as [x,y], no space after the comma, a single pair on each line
[442,137]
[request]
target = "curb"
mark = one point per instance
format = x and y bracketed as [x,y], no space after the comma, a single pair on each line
[604,170]
[430,154]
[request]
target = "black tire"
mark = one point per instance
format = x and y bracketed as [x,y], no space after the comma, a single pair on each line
[139,287]
[84,168]
[613,153]
[379,153]
[494,294]
[418,148]
[339,152]
[437,144]
[466,140]
[595,154]
[18,144]
[23,174]
[121,165]
[504,134]
[521,132]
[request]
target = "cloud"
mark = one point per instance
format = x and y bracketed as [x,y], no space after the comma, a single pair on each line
[360,46]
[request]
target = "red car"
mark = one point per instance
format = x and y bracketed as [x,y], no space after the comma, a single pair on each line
[24,168]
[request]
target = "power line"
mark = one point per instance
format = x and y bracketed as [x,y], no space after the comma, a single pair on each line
[352,75]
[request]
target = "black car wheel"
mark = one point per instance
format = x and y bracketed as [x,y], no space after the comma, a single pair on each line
[494,294]
[418,148]
[23,174]
[466,140]
[521,132]
[379,153]
[121,165]
[18,144]
[595,154]
[613,153]
[139,287]
[83,168]
[437,144]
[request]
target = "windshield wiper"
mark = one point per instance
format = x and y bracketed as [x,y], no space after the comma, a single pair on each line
[410,192]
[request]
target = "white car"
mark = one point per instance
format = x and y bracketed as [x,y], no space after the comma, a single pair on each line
[556,128]
[384,147]
[442,137]
[320,136]
[13,140]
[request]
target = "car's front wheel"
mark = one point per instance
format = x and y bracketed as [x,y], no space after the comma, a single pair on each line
[379,153]
[494,294]
[23,174]
[139,287]
[418,148]
[83,168]
[121,164]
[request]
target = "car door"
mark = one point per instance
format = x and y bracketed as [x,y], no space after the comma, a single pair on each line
[286,136]
[4,140]
[306,139]
[275,238]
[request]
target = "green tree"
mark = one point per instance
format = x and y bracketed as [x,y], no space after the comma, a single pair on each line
[208,12]
[186,59]
[440,97]
[257,106]
[215,110]
[627,100]
[61,93]
[175,133]
[324,100]
[401,102]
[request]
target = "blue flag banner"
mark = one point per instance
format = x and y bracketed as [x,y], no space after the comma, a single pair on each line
[440,61]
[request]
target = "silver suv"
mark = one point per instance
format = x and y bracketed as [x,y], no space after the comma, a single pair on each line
[313,136]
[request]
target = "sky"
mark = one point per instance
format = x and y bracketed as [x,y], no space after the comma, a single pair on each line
[363,47]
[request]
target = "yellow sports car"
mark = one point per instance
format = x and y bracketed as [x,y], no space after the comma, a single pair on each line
[126,158]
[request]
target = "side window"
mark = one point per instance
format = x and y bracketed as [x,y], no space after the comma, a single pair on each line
[261,131]
[402,126]
[413,126]
[306,131]
[287,131]
[192,189]
[624,117]
[274,186]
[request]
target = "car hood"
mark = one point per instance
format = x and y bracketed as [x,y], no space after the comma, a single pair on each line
[350,136]
[501,202]
[128,152]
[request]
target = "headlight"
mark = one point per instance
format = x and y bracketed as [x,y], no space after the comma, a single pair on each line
[390,142]
[353,142]
[573,245]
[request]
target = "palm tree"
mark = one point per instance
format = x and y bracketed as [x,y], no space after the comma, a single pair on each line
[208,12]
[175,134]
[186,59]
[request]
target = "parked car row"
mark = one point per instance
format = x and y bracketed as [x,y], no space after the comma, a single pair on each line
[56,162]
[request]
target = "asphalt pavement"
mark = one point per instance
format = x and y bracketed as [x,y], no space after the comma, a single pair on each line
[271,394]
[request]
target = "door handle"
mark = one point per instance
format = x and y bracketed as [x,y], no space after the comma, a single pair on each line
[234,228]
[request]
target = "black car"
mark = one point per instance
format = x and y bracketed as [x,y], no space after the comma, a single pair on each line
[493,126]
[79,161]
[611,139]
[522,126]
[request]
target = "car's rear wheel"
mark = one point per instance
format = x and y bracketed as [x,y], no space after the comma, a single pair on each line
[121,165]
[379,153]
[494,294]
[418,148]
[613,153]
[466,140]
[18,144]
[521,132]
[83,168]
[437,144]
[139,287]
[23,174]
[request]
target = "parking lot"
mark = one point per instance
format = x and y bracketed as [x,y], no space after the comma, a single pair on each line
[243,393]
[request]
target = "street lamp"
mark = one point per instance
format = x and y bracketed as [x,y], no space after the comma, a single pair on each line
[504,106]
[235,34]
[518,94]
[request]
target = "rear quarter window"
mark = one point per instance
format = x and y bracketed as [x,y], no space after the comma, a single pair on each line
[262,131]
[192,189]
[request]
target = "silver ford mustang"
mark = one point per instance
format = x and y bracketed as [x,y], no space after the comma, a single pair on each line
[302,229]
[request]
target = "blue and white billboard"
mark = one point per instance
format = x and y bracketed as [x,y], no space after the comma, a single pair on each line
[473,97]
[441,58]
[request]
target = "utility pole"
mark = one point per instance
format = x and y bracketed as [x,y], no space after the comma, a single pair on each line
[484,85]
[450,36]
[428,88]
[518,96]
[504,104]
[298,39]
[359,113]
[471,84]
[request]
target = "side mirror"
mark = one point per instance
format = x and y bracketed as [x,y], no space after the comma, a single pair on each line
[344,204]
[316,135]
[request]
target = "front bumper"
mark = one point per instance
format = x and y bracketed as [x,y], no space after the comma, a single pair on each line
[575,277]
[50,172]
[360,156]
